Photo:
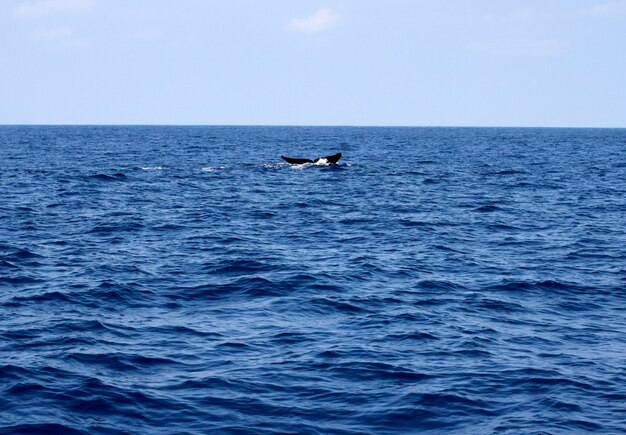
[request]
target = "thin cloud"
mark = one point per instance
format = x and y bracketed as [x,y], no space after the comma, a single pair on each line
[610,8]
[53,34]
[545,47]
[148,35]
[58,37]
[320,20]
[62,37]
[39,8]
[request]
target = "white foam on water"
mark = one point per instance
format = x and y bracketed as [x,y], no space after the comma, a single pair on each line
[211,168]
[152,168]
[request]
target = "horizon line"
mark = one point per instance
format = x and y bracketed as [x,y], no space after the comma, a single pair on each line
[301,125]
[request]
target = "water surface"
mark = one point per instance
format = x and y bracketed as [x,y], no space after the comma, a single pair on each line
[185,280]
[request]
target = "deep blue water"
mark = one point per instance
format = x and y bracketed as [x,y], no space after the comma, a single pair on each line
[183,280]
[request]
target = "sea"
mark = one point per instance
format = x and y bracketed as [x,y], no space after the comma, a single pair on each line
[186,280]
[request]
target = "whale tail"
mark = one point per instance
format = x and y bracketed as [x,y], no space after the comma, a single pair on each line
[296,161]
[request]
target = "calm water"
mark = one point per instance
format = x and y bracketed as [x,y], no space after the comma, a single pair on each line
[182,280]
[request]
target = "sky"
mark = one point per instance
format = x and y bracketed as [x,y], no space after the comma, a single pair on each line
[552,63]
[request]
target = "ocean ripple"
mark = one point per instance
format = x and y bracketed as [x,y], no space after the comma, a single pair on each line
[174,280]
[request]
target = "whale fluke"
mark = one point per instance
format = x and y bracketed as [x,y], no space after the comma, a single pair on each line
[296,161]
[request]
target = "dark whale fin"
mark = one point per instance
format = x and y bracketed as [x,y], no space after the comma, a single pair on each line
[295,161]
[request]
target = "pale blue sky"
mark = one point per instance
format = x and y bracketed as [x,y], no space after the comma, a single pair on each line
[309,62]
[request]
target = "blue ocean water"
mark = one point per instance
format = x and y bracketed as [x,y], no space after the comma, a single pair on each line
[185,280]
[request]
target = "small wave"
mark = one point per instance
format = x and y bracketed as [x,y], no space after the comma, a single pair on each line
[450,402]
[26,210]
[406,419]
[289,338]
[235,345]
[503,227]
[53,296]
[487,208]
[25,389]
[413,223]
[560,405]
[17,280]
[212,382]
[120,361]
[212,168]
[115,228]
[178,330]
[94,327]
[378,371]
[548,285]
[552,382]
[325,305]
[591,254]
[41,428]
[247,286]
[411,336]
[473,354]
[256,286]
[434,285]
[7,265]
[357,220]
[262,214]
[20,254]
[152,168]
[497,305]
[118,176]
[10,372]
[168,227]
[113,294]
[509,172]
[239,267]
[447,249]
